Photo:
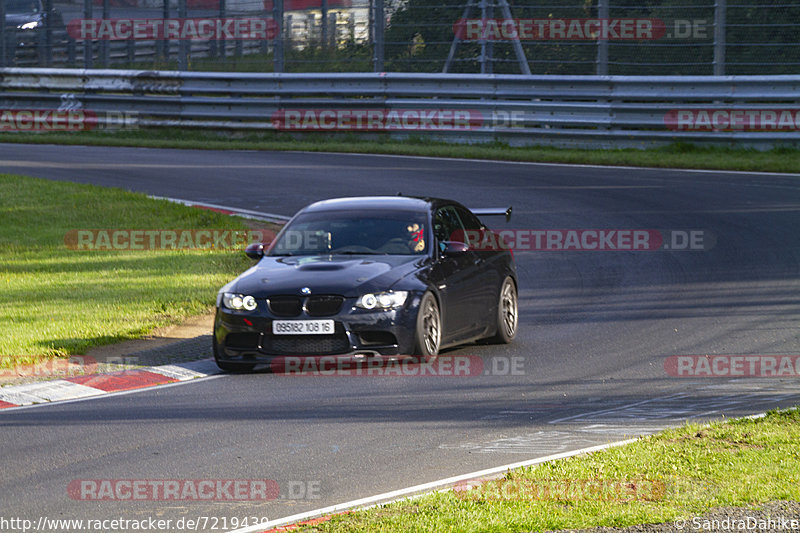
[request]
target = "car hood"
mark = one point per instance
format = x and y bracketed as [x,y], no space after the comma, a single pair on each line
[349,276]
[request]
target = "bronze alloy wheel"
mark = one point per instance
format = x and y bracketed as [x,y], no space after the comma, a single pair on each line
[507,312]
[429,328]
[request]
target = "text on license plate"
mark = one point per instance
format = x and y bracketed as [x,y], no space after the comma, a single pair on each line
[302,327]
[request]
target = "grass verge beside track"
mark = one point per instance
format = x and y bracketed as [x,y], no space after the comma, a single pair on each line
[678,155]
[57,301]
[677,474]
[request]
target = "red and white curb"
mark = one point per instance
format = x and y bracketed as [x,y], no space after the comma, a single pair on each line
[77,387]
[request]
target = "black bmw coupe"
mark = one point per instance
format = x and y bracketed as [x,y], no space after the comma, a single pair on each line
[368,277]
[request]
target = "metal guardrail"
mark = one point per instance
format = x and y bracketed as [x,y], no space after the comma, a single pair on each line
[567,110]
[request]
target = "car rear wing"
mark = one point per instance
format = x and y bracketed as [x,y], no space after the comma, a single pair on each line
[493,211]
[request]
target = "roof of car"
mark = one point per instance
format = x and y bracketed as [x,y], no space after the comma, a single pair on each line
[404,203]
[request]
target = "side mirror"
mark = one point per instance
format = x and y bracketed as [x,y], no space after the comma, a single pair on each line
[255,251]
[454,248]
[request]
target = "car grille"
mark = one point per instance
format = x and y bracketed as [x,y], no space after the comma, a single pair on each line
[323,305]
[337,343]
[291,306]
[285,305]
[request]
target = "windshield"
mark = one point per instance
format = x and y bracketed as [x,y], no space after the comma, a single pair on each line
[22,6]
[396,233]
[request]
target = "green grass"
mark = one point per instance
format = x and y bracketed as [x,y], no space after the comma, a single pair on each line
[677,155]
[56,301]
[734,463]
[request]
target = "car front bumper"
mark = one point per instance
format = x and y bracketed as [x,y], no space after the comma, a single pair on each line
[246,337]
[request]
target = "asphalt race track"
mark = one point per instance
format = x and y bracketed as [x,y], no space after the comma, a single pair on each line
[596,329]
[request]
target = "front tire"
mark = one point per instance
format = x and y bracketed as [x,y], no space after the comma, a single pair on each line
[507,313]
[428,334]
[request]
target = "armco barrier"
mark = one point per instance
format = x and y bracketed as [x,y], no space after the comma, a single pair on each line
[578,110]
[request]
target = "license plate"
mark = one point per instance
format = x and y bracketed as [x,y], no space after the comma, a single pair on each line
[302,327]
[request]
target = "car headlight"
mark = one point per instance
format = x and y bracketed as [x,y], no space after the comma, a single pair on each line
[382,300]
[29,25]
[239,301]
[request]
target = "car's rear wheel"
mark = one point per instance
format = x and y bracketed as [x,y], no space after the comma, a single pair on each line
[228,366]
[507,312]
[428,334]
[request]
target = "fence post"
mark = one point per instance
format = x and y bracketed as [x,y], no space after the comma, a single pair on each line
[165,42]
[277,47]
[720,16]
[3,35]
[105,44]
[183,52]
[88,44]
[264,44]
[216,46]
[332,18]
[130,49]
[324,27]
[46,52]
[72,54]
[602,44]
[488,15]
[378,19]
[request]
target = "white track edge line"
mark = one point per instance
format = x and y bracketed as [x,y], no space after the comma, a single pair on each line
[373,501]
[441,158]
[427,487]
[546,164]
[236,210]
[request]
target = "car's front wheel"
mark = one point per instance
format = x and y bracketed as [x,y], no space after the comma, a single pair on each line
[428,334]
[507,312]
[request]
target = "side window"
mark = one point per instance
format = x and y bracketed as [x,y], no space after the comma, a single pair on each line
[447,226]
[469,220]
